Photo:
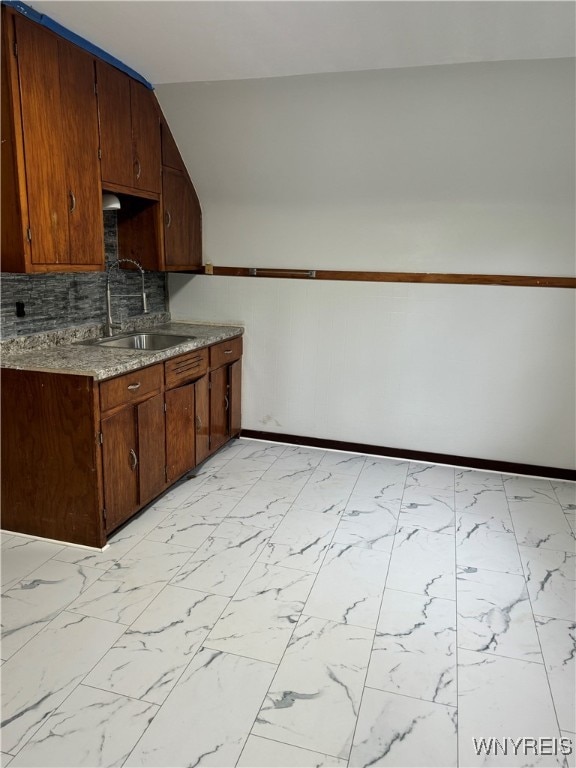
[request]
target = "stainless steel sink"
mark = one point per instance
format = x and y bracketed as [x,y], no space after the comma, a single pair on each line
[152,342]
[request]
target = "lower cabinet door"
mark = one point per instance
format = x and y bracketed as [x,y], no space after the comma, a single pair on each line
[202,419]
[120,466]
[219,408]
[180,431]
[151,448]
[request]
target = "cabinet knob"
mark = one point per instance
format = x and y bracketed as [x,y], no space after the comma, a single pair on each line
[134,459]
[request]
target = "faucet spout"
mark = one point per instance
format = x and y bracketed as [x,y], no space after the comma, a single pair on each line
[110,324]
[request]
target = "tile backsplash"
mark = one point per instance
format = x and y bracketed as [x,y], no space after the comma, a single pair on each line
[54,301]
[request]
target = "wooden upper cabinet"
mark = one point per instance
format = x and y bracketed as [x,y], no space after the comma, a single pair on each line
[129,132]
[115,125]
[53,169]
[182,212]
[182,221]
[42,120]
[81,143]
[145,138]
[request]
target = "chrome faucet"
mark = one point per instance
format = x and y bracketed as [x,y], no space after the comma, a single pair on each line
[110,324]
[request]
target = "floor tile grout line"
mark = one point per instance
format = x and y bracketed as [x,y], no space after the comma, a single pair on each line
[114,693]
[286,744]
[420,594]
[534,618]
[413,698]
[501,656]
[377,620]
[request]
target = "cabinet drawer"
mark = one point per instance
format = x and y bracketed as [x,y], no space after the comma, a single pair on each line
[131,388]
[186,367]
[225,352]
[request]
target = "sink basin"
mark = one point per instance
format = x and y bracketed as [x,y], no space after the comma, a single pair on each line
[153,342]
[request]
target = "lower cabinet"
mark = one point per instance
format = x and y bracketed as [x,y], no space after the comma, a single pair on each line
[151,454]
[224,392]
[202,405]
[219,408]
[133,459]
[119,463]
[86,456]
[180,431]
[185,381]
[225,396]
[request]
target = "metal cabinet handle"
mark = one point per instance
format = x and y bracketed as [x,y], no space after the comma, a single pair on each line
[227,351]
[134,459]
[168,217]
[72,201]
[134,387]
[138,169]
[198,423]
[227,402]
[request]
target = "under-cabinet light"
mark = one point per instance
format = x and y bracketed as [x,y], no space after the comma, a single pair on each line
[110,202]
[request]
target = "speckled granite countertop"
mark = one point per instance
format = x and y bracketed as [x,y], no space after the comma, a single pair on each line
[104,362]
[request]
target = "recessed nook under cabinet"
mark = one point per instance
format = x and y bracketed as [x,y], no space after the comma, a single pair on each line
[139,234]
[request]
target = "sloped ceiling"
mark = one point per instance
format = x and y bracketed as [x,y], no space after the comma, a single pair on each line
[187,41]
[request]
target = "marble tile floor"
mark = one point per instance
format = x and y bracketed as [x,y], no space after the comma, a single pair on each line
[287,606]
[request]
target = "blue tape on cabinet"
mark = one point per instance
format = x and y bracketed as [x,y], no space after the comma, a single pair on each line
[54,26]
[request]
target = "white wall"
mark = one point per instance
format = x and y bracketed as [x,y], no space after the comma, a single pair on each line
[465,168]
[467,370]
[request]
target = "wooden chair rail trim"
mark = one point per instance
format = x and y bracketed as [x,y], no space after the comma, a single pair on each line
[540,281]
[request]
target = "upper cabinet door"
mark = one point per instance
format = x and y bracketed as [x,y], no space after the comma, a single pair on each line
[60,151]
[181,208]
[182,221]
[115,125]
[81,142]
[147,160]
[129,131]
[44,151]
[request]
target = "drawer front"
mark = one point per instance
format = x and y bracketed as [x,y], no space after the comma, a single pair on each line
[186,367]
[131,387]
[225,352]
